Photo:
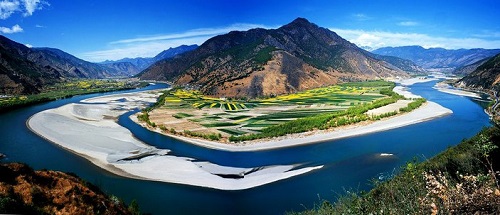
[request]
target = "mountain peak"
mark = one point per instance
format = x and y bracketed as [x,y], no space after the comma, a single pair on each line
[300,22]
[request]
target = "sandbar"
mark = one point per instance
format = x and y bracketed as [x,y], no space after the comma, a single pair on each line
[89,129]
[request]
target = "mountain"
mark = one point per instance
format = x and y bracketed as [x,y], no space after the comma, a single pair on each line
[135,65]
[260,62]
[486,76]
[172,52]
[403,64]
[18,75]
[468,69]
[437,58]
[26,70]
[70,65]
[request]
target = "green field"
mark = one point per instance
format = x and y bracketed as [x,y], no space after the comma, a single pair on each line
[319,108]
[65,90]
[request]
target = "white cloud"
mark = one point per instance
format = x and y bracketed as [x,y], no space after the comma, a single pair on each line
[7,8]
[378,39]
[31,6]
[408,23]
[27,7]
[14,29]
[192,33]
[149,46]
[28,45]
[361,17]
[39,26]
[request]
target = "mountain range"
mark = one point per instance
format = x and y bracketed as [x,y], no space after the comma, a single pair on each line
[26,70]
[136,65]
[438,58]
[266,62]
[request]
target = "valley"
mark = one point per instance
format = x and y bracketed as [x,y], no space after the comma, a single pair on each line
[216,108]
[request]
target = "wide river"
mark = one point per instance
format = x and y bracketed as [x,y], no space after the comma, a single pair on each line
[349,164]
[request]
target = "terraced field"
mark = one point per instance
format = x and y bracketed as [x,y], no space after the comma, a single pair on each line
[181,110]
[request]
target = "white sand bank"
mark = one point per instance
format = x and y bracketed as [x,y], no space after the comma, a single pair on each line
[90,131]
[445,88]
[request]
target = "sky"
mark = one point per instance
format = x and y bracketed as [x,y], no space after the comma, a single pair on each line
[99,30]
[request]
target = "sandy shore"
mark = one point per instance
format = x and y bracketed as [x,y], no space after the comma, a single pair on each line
[89,130]
[445,88]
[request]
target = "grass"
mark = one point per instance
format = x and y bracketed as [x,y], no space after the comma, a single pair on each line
[460,180]
[232,131]
[219,124]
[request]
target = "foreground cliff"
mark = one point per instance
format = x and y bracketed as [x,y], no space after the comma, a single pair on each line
[460,180]
[25,191]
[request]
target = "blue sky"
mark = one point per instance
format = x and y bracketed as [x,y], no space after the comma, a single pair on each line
[106,29]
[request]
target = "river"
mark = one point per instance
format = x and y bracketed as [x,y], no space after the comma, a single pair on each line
[349,164]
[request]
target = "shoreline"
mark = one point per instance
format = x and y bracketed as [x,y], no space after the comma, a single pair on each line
[95,135]
[445,88]
[429,111]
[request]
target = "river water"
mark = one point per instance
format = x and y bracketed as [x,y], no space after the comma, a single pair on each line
[349,164]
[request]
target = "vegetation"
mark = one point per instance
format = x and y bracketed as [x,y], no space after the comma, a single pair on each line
[144,117]
[210,136]
[65,90]
[26,191]
[321,121]
[320,108]
[413,105]
[460,180]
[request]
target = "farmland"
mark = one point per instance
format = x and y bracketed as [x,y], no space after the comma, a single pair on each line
[187,112]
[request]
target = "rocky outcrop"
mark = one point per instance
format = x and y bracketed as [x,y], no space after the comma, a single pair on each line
[23,190]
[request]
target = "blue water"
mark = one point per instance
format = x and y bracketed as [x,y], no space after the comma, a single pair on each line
[349,164]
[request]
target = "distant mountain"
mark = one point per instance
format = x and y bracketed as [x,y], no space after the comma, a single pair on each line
[435,58]
[26,70]
[172,52]
[70,65]
[486,76]
[261,62]
[467,69]
[135,65]
[403,64]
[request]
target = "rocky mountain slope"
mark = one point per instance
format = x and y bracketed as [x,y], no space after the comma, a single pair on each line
[26,70]
[25,191]
[486,76]
[71,66]
[437,58]
[135,65]
[468,69]
[260,62]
